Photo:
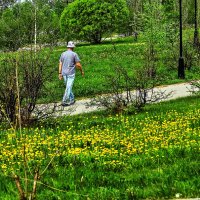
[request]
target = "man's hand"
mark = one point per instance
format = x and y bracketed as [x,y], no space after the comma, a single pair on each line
[82,73]
[79,66]
[60,76]
[60,70]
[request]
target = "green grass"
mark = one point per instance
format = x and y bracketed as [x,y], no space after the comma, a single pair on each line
[157,174]
[100,61]
[170,164]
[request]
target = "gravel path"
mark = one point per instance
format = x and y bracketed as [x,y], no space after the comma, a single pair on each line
[82,106]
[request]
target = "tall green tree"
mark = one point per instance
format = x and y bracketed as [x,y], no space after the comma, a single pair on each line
[9,31]
[90,20]
[49,30]
[196,32]
[6,3]
[59,5]
[18,25]
[136,10]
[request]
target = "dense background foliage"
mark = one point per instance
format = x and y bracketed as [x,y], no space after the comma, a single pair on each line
[92,19]
[85,20]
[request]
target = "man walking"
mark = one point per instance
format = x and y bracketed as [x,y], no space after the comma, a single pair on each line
[68,63]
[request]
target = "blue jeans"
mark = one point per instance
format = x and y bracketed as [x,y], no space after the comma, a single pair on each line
[69,81]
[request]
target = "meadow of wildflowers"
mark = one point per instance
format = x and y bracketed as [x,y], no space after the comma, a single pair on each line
[115,157]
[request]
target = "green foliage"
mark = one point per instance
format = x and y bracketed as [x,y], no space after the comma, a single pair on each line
[90,20]
[9,30]
[154,23]
[18,26]
[49,30]
[59,5]
[6,3]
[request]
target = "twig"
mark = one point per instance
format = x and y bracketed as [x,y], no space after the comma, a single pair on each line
[18,184]
[35,182]
[47,166]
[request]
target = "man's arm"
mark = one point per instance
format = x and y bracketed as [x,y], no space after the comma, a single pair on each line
[60,70]
[79,66]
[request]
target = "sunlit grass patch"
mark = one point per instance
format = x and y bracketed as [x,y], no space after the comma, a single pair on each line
[154,154]
[120,137]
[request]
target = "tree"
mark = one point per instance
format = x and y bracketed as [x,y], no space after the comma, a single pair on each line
[135,8]
[196,33]
[17,26]
[90,20]
[9,30]
[6,3]
[59,5]
[49,30]
[55,5]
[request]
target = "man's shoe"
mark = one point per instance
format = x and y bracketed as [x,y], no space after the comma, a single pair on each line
[72,102]
[64,104]
[68,104]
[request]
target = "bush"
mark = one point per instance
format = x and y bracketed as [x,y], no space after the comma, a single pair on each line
[90,20]
[24,75]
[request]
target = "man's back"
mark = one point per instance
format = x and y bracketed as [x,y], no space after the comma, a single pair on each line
[69,59]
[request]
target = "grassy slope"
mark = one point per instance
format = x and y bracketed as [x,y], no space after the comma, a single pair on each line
[142,177]
[139,178]
[99,61]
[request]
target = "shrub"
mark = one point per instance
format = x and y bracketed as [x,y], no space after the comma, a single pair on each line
[24,75]
[91,19]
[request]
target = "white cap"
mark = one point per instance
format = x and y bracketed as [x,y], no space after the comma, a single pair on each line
[70,44]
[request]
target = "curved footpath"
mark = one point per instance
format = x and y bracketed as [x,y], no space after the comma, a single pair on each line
[83,106]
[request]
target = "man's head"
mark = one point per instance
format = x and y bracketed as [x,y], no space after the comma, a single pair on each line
[70,45]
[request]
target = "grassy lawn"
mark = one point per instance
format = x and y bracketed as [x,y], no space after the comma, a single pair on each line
[149,155]
[100,62]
